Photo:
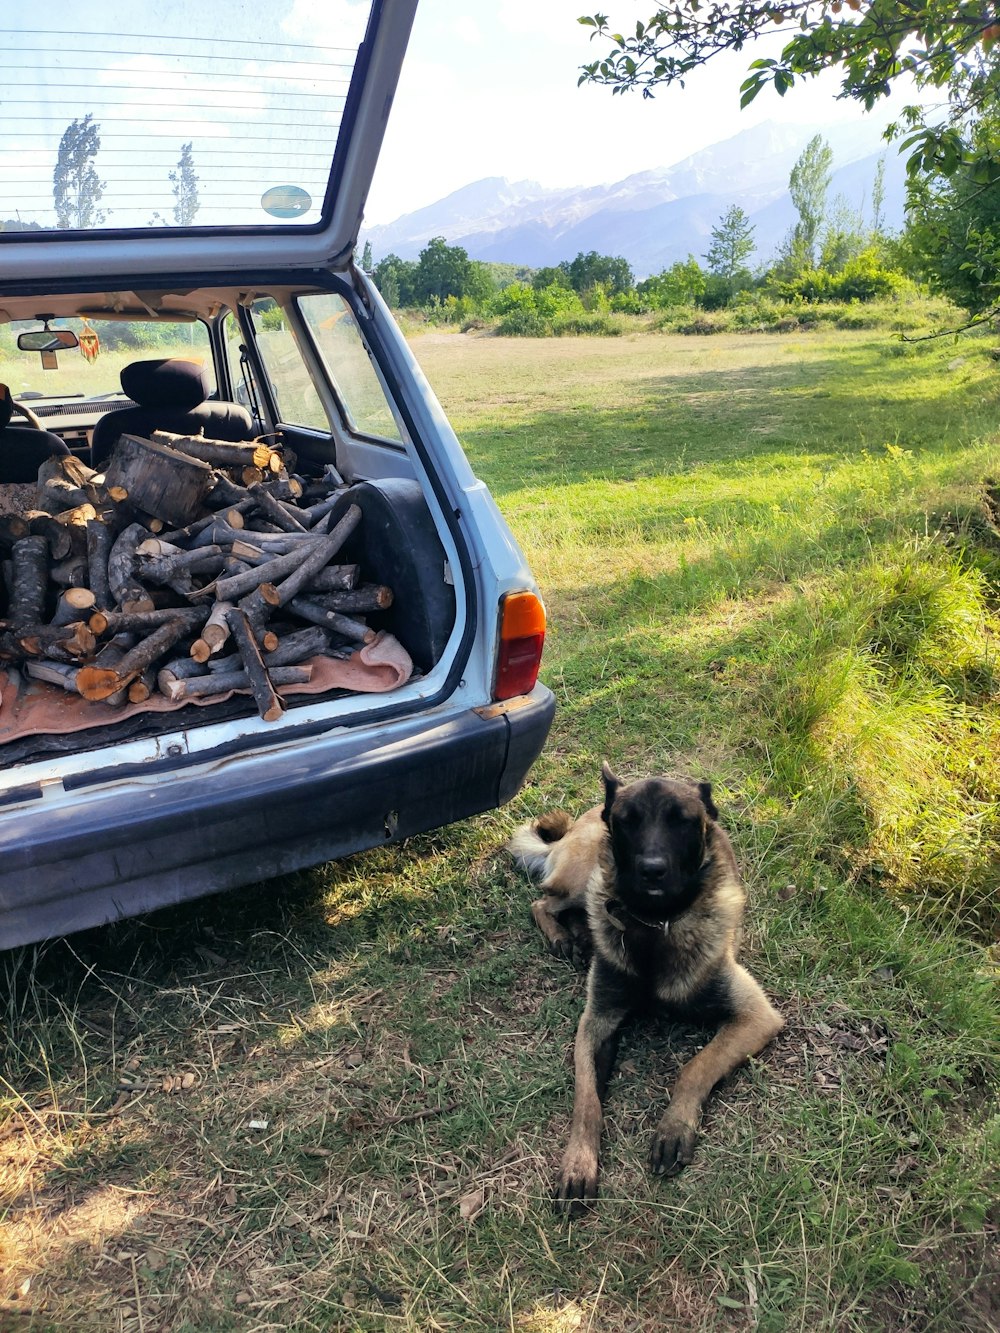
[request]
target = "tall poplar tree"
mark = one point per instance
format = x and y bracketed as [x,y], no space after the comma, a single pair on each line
[185,186]
[76,186]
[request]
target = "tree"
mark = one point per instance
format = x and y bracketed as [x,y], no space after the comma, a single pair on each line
[185,187]
[808,185]
[844,236]
[76,186]
[683,283]
[442,270]
[557,276]
[872,42]
[394,277]
[589,270]
[366,258]
[953,228]
[732,245]
[878,200]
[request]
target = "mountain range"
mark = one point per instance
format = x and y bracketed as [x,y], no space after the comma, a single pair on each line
[653,217]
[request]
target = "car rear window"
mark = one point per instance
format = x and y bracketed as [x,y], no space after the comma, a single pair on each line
[212,124]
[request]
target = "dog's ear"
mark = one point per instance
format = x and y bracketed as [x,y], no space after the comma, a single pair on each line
[611,785]
[705,792]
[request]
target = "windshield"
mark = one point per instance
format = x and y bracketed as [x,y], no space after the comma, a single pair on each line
[91,370]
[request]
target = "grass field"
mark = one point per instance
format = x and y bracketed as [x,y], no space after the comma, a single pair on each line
[770,562]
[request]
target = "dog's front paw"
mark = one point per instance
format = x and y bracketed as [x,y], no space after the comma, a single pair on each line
[673,1145]
[576,1186]
[573,947]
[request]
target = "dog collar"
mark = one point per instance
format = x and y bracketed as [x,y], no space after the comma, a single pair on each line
[617,911]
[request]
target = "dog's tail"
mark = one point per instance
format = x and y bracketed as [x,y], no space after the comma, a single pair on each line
[531,842]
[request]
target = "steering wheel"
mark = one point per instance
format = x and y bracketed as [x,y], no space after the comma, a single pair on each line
[28,415]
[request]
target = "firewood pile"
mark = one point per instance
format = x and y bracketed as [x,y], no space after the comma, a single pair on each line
[192,567]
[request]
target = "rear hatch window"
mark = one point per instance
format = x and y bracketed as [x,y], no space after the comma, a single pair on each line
[205,123]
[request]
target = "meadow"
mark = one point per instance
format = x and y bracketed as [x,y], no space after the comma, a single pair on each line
[336,1100]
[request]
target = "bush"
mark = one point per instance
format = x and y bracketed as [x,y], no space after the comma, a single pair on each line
[600,325]
[520,323]
[706,324]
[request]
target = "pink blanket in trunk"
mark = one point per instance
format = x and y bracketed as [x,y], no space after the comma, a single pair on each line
[31,708]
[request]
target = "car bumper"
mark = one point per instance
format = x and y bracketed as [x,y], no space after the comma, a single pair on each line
[145,843]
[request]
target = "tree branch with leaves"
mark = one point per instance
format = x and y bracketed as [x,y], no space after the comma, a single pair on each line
[873,43]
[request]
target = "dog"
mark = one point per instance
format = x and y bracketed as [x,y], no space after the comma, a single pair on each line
[648,885]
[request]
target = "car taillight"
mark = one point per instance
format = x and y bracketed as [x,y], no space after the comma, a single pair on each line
[522,633]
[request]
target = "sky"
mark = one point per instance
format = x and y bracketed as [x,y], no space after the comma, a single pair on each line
[487,89]
[491,90]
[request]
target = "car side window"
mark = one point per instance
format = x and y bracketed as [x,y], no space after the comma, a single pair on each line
[295,395]
[345,356]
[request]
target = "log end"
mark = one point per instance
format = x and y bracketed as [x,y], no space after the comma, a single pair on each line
[96,683]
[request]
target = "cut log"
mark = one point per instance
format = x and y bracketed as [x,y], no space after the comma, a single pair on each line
[320,554]
[62,674]
[71,573]
[59,538]
[64,482]
[260,604]
[164,483]
[153,547]
[314,512]
[245,553]
[333,620]
[125,586]
[99,542]
[73,604]
[77,517]
[180,668]
[269,705]
[95,683]
[225,493]
[229,589]
[276,511]
[72,642]
[292,649]
[184,536]
[221,453]
[142,687]
[334,578]
[110,655]
[221,682]
[142,622]
[369,597]
[202,560]
[282,488]
[216,628]
[30,581]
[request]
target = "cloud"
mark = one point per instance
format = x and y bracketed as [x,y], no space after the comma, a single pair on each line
[468,30]
[339,23]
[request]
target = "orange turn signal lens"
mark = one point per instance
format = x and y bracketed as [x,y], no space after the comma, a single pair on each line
[522,634]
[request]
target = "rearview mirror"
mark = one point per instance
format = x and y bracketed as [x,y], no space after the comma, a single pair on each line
[47,340]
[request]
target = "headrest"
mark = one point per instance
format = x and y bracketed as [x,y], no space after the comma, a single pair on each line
[165,383]
[6,406]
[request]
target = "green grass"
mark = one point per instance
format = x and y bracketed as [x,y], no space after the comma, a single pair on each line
[768,562]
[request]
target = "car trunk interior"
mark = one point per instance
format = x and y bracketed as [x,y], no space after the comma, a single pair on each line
[161,549]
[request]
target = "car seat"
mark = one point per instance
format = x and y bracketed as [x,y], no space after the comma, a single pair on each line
[23,449]
[171,394]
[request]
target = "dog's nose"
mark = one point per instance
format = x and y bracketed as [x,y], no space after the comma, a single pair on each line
[651,867]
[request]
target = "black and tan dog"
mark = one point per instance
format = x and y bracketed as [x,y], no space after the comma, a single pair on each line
[649,882]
